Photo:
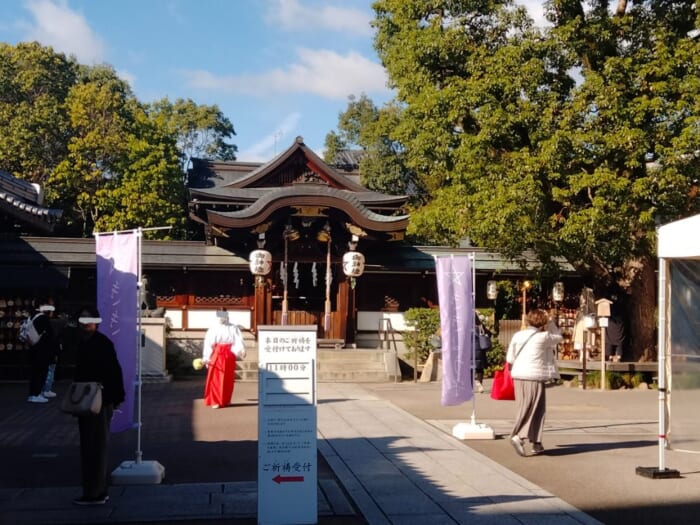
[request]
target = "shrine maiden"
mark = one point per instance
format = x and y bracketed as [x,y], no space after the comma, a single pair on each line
[223,344]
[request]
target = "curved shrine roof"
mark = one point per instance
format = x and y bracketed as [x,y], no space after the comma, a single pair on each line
[243,195]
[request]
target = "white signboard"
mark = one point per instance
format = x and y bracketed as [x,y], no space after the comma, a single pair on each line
[287,453]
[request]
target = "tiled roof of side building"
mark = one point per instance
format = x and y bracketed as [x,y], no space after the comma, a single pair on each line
[21,200]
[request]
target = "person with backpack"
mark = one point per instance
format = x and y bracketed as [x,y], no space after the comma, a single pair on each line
[42,346]
[57,326]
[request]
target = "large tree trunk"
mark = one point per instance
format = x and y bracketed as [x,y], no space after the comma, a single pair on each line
[641,311]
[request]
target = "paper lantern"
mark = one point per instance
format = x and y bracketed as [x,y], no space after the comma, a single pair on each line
[353,264]
[260,262]
[492,290]
[558,292]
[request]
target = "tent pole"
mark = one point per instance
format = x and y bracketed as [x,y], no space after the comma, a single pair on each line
[661,472]
[661,358]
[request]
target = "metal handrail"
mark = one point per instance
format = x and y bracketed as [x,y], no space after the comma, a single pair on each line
[383,333]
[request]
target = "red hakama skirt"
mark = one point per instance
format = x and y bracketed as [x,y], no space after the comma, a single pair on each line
[221,376]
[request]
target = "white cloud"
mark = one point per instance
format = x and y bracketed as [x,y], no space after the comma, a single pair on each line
[127,75]
[536,10]
[67,31]
[318,72]
[273,143]
[293,15]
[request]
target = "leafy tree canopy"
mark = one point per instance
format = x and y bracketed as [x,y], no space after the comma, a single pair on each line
[363,126]
[34,83]
[106,159]
[201,131]
[573,140]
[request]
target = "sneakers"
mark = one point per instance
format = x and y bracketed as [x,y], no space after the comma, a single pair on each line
[479,387]
[37,399]
[537,449]
[87,502]
[518,445]
[215,406]
[48,394]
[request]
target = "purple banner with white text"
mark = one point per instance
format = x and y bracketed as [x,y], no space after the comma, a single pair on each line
[117,268]
[454,280]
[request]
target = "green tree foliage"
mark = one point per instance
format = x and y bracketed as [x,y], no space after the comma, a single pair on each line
[121,170]
[201,131]
[425,324]
[107,160]
[34,82]
[572,140]
[363,126]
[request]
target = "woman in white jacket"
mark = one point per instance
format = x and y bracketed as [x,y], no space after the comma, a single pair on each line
[532,363]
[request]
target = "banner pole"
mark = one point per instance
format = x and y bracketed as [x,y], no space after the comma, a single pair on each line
[139,235]
[473,336]
[139,472]
[473,430]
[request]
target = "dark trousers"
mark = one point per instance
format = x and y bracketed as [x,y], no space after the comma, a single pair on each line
[94,439]
[39,366]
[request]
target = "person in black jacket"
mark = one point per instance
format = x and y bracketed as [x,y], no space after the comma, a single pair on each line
[482,343]
[41,354]
[96,361]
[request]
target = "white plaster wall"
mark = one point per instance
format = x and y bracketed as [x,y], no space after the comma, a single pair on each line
[370,321]
[203,319]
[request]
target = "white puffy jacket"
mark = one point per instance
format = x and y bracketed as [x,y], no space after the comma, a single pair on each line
[535,361]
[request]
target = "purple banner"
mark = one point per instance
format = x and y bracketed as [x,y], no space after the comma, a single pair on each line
[454,279]
[117,266]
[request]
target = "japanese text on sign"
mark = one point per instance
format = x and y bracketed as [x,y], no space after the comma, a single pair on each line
[283,343]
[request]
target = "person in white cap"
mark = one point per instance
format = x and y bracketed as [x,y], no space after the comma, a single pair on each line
[223,343]
[40,353]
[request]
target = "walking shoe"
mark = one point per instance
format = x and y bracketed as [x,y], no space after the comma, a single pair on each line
[518,445]
[85,502]
[537,449]
[479,387]
[48,394]
[37,399]
[215,406]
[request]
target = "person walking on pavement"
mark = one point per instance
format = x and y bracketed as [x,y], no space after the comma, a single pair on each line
[47,389]
[40,354]
[531,358]
[96,361]
[223,343]
[481,347]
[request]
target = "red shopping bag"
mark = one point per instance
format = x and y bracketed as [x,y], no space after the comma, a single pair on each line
[503,388]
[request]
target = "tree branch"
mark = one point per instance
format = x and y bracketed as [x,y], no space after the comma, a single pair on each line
[621,8]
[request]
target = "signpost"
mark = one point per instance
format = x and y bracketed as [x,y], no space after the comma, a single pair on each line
[287,468]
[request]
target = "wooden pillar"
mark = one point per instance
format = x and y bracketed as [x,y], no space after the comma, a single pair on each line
[351,328]
[261,305]
[342,305]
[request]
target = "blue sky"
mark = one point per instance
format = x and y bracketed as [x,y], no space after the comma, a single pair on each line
[276,68]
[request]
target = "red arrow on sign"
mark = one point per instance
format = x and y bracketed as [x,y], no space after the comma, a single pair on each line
[286,479]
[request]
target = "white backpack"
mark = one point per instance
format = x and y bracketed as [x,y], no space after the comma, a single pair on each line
[28,332]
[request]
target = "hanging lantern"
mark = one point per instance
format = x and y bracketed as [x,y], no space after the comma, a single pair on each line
[558,292]
[260,262]
[353,264]
[492,290]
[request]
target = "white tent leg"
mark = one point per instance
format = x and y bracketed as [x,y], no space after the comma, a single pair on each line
[661,472]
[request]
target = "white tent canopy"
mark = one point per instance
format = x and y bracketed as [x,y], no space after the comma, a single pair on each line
[679,335]
[680,239]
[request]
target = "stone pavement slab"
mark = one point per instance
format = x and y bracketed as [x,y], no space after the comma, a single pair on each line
[402,470]
[386,456]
